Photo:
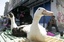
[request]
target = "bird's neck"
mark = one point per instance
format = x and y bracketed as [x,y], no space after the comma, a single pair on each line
[13,24]
[35,24]
[36,19]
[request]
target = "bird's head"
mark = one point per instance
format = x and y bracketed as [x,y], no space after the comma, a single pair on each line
[43,12]
[10,15]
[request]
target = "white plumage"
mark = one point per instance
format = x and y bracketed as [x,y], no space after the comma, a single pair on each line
[13,24]
[16,30]
[12,18]
[35,32]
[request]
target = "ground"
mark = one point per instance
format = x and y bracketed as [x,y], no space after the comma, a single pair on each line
[5,36]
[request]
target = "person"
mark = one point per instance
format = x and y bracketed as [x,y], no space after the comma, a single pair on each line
[25,18]
[52,23]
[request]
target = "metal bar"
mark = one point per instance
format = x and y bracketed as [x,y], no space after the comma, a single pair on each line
[24,2]
[39,3]
[32,2]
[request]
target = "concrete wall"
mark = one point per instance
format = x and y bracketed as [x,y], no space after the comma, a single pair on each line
[6,8]
[10,5]
[13,4]
[56,12]
[53,8]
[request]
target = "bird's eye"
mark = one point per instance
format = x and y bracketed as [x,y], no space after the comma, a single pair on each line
[39,9]
[11,15]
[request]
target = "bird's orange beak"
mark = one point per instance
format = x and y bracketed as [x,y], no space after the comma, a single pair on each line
[47,13]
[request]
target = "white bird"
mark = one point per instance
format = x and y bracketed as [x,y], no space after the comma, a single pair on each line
[16,30]
[36,32]
[12,18]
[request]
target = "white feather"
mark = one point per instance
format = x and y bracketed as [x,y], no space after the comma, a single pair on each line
[35,31]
